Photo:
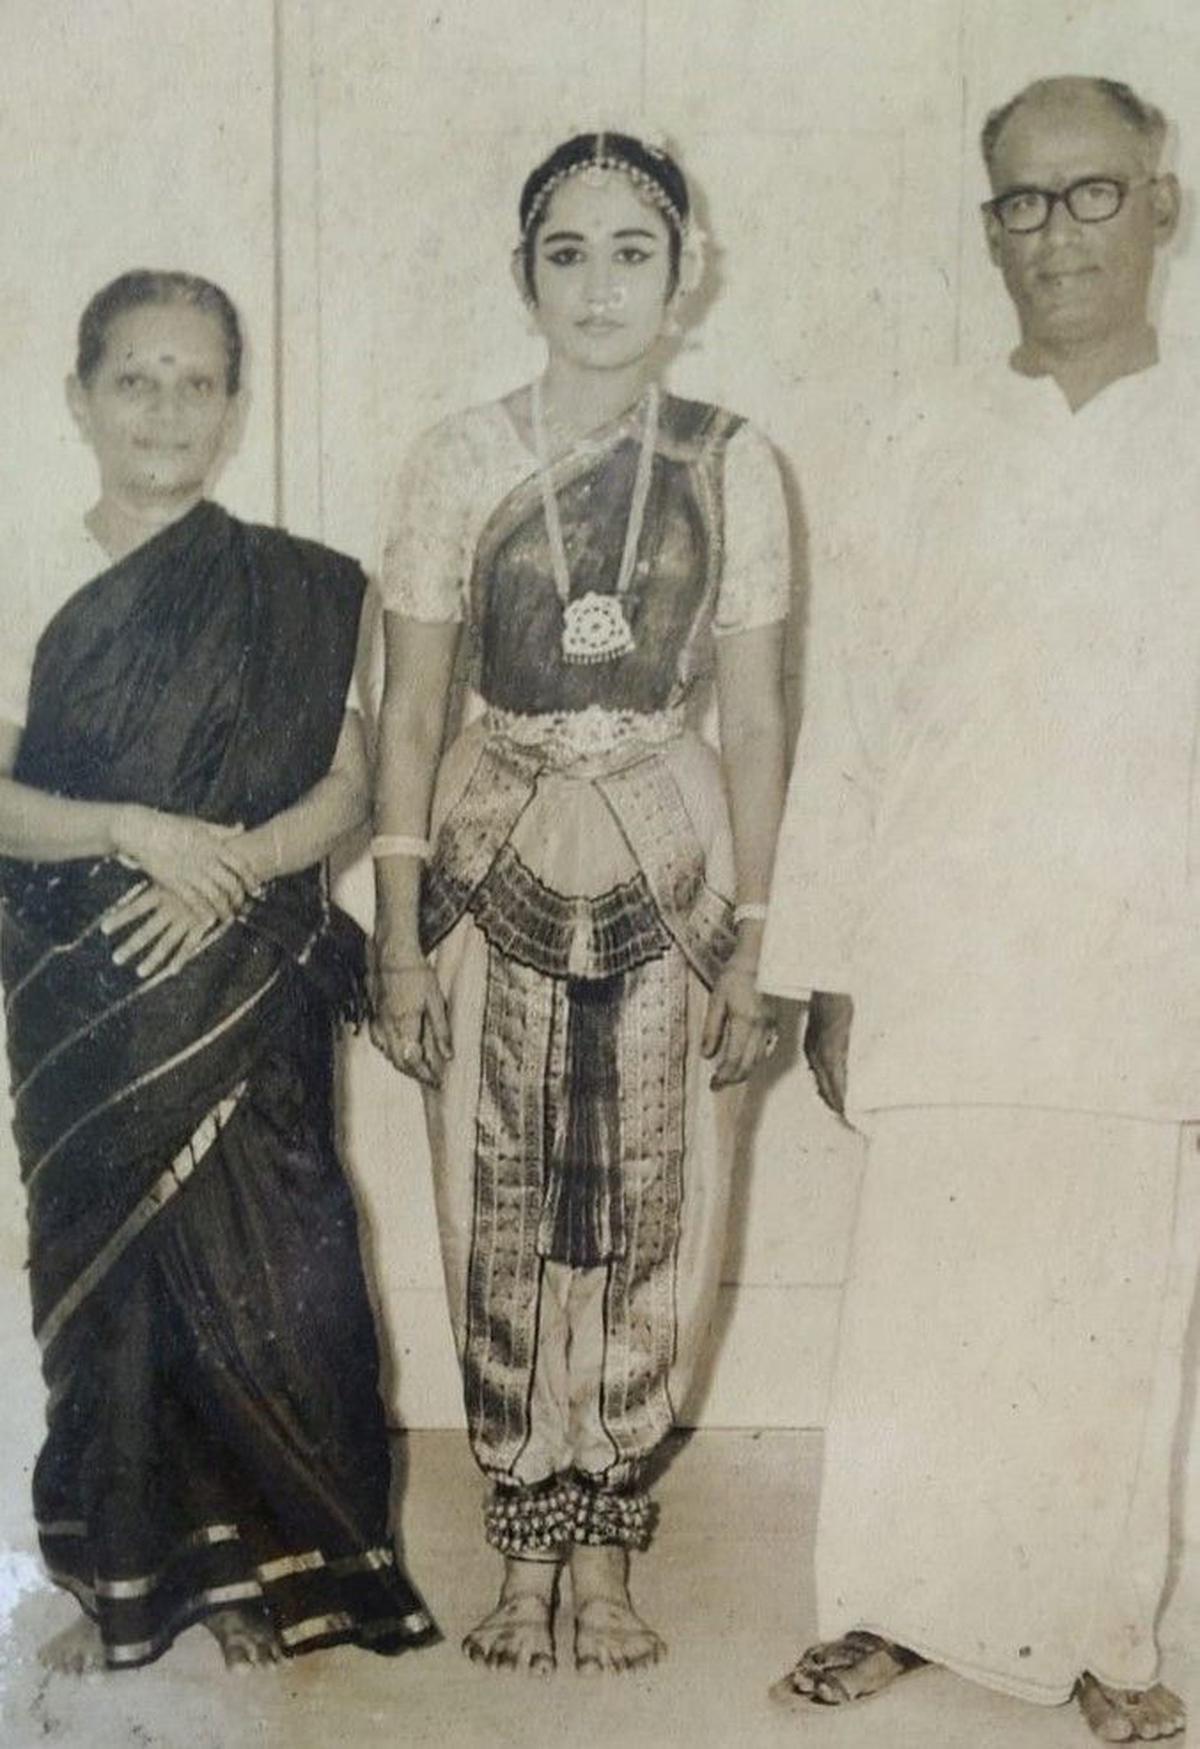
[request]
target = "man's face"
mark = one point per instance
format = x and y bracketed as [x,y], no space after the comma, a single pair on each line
[1076,284]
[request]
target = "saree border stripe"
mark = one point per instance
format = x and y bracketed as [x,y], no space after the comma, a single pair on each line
[53,953]
[287,1566]
[214,1598]
[140,1651]
[374,1560]
[641,1324]
[160,1069]
[417,1621]
[141,1585]
[378,1559]
[338,1621]
[504,1271]
[165,1188]
[90,1026]
[413,1626]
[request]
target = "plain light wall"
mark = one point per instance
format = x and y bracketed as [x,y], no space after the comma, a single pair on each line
[833,152]
[365,221]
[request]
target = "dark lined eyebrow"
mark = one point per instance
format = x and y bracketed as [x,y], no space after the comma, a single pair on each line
[578,236]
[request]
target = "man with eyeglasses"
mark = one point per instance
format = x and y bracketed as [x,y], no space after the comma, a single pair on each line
[988,892]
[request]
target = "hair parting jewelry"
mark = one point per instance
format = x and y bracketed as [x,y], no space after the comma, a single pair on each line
[603,163]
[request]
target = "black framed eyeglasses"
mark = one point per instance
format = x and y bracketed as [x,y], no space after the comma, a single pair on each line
[1090,200]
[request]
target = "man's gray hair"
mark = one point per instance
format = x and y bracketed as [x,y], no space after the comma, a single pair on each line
[1144,118]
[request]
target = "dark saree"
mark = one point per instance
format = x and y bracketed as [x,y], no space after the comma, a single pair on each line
[215,1432]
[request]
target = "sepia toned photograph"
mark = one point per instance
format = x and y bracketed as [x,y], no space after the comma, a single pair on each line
[600,873]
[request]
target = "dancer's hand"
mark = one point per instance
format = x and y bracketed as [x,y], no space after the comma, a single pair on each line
[194,859]
[740,1029]
[160,932]
[409,1023]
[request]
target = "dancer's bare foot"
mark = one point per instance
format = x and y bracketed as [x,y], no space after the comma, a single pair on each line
[519,1633]
[1130,1715]
[76,1651]
[610,1637]
[837,1672]
[246,1638]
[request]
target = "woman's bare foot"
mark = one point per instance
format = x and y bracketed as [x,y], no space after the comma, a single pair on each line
[246,1638]
[1130,1715]
[610,1637]
[519,1633]
[837,1672]
[76,1651]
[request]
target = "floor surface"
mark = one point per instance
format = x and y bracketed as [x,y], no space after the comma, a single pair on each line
[728,1584]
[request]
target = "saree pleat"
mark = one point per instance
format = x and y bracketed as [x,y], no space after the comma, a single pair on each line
[215,1435]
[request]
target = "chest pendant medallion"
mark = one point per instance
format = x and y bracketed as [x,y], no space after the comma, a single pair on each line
[595,628]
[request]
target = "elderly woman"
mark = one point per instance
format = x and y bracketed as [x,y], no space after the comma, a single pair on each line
[594,890]
[216,1446]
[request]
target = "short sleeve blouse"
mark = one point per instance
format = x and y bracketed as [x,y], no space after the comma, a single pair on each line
[460,470]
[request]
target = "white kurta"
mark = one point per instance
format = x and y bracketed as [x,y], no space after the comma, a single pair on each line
[990,839]
[989,844]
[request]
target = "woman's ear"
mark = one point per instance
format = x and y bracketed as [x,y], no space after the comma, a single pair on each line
[77,401]
[516,266]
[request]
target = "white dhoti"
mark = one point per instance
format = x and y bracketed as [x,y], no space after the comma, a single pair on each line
[1000,1441]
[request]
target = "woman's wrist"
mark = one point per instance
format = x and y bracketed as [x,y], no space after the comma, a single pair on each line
[398,947]
[748,940]
[127,830]
[262,849]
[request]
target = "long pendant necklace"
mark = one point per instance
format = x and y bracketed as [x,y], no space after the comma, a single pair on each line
[595,628]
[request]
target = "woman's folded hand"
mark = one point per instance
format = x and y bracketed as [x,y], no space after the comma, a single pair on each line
[157,931]
[195,860]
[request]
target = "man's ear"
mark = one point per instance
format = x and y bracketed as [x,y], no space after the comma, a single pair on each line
[1167,201]
[993,232]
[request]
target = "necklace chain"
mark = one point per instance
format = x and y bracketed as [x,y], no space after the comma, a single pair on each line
[611,642]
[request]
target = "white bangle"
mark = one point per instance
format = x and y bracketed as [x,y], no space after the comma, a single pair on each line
[750,913]
[398,844]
